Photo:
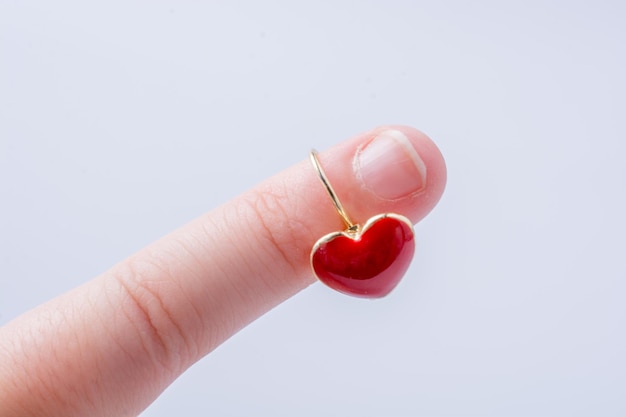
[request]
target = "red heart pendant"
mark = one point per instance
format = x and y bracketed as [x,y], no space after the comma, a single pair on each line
[368,262]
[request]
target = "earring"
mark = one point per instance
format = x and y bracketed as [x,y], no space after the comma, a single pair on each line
[363,261]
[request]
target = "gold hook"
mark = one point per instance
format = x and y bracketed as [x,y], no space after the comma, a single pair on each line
[329,189]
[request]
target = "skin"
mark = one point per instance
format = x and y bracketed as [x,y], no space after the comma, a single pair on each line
[112,345]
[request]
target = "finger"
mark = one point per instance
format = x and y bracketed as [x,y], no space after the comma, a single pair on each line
[111,346]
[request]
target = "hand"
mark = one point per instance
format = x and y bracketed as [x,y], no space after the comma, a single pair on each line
[112,345]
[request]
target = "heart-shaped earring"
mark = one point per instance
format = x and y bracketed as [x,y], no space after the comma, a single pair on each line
[364,261]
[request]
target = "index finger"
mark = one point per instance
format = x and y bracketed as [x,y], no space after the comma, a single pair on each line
[111,346]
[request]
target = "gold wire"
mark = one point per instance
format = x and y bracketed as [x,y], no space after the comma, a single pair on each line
[329,189]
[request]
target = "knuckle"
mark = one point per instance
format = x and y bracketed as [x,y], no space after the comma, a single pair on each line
[278,230]
[159,334]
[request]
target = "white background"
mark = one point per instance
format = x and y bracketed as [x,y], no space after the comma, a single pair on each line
[122,120]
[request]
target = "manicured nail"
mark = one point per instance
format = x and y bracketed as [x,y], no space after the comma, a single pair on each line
[390,167]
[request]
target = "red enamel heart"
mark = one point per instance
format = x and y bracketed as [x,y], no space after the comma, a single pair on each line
[368,263]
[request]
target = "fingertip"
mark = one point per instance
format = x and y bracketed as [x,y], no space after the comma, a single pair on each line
[391,168]
[422,203]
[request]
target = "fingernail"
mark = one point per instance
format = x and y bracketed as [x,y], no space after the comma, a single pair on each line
[390,167]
